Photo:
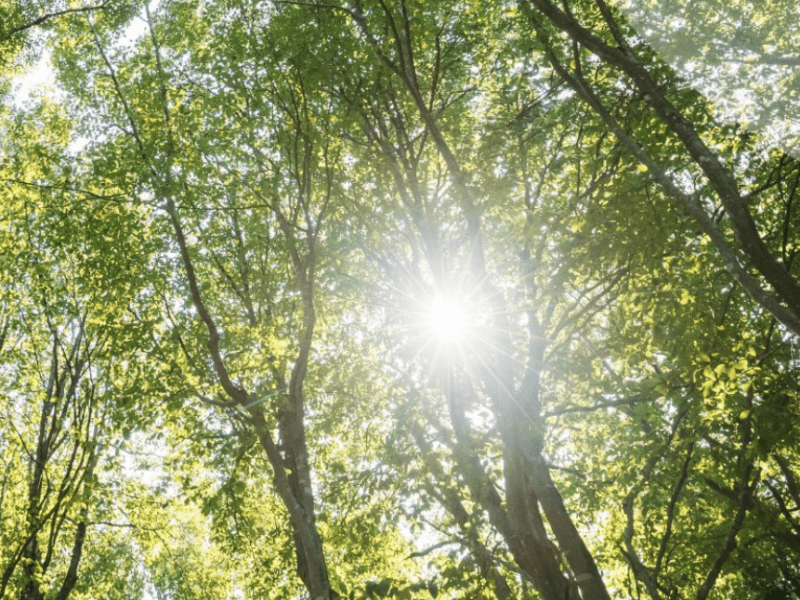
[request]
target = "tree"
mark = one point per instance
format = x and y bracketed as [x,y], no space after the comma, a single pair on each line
[299,185]
[64,339]
[773,265]
[274,185]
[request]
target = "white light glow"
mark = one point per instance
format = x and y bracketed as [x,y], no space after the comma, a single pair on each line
[448,320]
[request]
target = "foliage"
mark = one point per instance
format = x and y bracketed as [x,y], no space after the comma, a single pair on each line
[221,239]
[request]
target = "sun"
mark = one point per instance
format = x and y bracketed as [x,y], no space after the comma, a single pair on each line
[443,325]
[447,320]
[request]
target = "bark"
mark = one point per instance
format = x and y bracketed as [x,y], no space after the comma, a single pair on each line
[302,520]
[297,498]
[519,520]
[450,499]
[525,516]
[71,577]
[31,553]
[581,563]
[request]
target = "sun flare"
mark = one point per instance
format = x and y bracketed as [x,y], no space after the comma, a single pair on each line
[448,320]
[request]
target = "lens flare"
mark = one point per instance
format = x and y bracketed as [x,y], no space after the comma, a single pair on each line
[447,320]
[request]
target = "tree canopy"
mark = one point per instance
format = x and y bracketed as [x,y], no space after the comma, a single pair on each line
[397,299]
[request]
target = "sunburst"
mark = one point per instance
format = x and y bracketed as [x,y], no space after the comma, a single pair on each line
[448,320]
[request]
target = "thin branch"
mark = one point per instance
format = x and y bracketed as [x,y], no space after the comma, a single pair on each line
[598,406]
[430,549]
[46,17]
[673,501]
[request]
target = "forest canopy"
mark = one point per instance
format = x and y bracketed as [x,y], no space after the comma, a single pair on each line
[357,299]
